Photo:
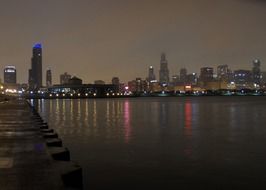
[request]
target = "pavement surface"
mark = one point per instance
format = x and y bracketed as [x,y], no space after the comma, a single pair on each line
[24,159]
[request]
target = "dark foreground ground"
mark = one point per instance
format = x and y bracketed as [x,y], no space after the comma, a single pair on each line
[24,159]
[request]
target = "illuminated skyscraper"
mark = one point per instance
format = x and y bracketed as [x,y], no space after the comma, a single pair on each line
[35,73]
[206,74]
[256,71]
[243,78]
[48,78]
[164,72]
[192,79]
[151,75]
[10,75]
[223,72]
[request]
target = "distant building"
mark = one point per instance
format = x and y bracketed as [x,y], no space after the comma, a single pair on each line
[115,81]
[206,74]
[75,81]
[64,78]
[48,78]
[164,72]
[263,77]
[243,78]
[10,75]
[256,75]
[192,79]
[223,72]
[35,73]
[175,79]
[85,90]
[151,75]
[183,75]
[138,85]
[101,82]
[154,87]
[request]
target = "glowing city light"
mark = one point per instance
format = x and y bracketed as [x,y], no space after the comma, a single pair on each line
[12,91]
[38,46]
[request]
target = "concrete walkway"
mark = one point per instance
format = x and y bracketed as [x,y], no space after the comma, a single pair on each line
[25,161]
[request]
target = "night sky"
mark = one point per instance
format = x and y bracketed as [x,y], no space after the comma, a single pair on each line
[99,39]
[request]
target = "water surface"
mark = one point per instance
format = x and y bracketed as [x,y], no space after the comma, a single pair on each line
[164,143]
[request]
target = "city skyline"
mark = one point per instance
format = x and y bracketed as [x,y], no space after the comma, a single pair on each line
[35,78]
[123,38]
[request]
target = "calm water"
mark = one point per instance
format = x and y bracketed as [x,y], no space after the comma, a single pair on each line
[164,143]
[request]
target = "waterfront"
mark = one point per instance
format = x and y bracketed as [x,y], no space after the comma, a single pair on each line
[164,143]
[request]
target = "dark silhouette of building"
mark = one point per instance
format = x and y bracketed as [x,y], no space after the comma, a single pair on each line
[75,81]
[48,78]
[115,81]
[206,74]
[35,73]
[64,78]
[256,75]
[263,77]
[164,72]
[10,75]
[100,82]
[151,75]
[183,75]
[117,84]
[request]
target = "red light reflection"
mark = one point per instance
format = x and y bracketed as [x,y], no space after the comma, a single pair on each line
[127,121]
[187,128]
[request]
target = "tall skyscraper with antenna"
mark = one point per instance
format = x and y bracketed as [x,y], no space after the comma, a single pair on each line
[256,71]
[35,73]
[151,75]
[164,72]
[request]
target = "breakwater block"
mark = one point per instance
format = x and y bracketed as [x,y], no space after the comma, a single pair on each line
[40,122]
[37,119]
[54,142]
[44,127]
[71,174]
[47,130]
[50,135]
[59,153]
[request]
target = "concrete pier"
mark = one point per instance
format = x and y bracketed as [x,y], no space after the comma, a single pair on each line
[31,155]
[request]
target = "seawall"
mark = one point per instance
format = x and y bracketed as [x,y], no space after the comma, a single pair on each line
[32,155]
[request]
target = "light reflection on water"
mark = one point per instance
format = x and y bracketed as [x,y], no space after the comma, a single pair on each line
[157,142]
[127,121]
[188,127]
